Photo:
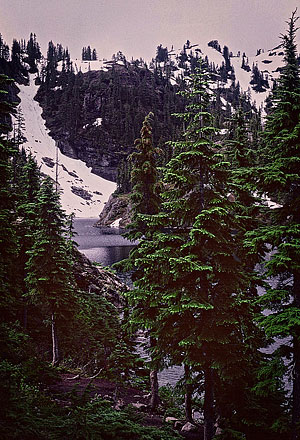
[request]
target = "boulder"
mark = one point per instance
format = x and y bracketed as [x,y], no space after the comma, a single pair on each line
[179,424]
[189,427]
[171,420]
[140,406]
[191,431]
[120,404]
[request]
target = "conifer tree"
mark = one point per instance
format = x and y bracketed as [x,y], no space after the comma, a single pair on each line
[33,52]
[279,178]
[144,197]
[51,72]
[242,158]
[145,202]
[94,55]
[189,286]
[123,177]
[49,277]
[8,243]
[26,183]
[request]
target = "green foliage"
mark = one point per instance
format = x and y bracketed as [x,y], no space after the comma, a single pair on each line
[192,288]
[26,406]
[171,400]
[49,275]
[38,290]
[145,195]
[8,242]
[29,414]
[279,178]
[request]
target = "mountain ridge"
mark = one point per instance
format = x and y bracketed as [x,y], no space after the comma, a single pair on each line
[93,109]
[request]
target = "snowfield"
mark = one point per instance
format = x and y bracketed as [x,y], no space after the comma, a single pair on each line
[82,192]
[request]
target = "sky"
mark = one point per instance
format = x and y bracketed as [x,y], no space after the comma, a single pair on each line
[137,27]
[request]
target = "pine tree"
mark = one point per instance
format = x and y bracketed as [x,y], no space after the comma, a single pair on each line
[33,52]
[242,158]
[279,178]
[255,391]
[94,55]
[123,177]
[51,72]
[145,202]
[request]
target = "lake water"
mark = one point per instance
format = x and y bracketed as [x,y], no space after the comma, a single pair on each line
[103,245]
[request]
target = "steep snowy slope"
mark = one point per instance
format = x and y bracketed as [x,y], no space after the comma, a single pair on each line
[82,192]
[268,63]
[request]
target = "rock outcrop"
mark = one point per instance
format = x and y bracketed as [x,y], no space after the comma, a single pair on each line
[96,116]
[96,279]
[116,211]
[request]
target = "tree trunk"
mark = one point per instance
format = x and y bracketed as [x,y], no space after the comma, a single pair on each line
[208,404]
[25,316]
[296,376]
[55,353]
[154,390]
[188,395]
[153,382]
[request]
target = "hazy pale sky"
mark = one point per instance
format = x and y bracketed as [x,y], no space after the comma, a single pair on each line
[137,27]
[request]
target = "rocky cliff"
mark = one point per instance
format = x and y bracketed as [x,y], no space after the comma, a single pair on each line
[96,116]
[116,211]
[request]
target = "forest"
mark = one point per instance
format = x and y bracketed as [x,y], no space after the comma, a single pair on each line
[215,276]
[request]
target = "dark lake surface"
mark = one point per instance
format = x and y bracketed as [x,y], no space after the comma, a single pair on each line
[103,245]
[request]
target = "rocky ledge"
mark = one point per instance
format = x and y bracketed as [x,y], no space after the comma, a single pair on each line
[116,211]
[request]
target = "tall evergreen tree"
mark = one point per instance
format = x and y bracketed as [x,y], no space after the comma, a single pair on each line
[33,52]
[145,202]
[145,198]
[8,243]
[189,286]
[49,277]
[279,178]
[26,183]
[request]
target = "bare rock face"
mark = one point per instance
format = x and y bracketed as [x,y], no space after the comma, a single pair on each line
[118,207]
[48,161]
[81,192]
[189,427]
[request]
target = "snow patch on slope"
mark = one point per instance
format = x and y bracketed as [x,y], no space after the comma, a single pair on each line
[82,192]
[213,55]
[85,66]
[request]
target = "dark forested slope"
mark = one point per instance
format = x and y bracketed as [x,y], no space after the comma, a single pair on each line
[96,116]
